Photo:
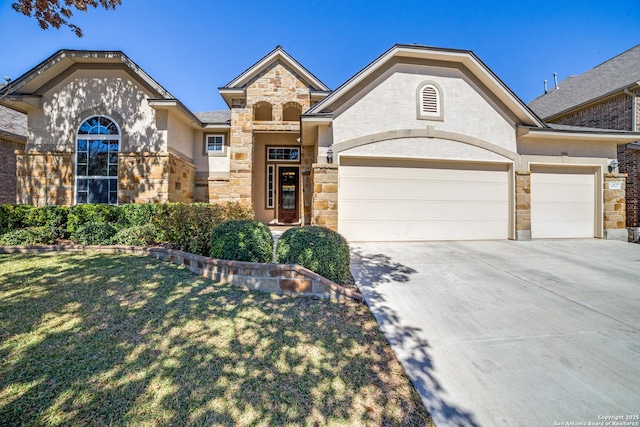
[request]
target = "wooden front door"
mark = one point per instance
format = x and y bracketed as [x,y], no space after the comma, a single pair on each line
[288,194]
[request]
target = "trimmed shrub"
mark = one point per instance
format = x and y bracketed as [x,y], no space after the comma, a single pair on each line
[138,235]
[319,249]
[92,213]
[32,236]
[94,233]
[242,240]
[50,216]
[188,226]
[13,217]
[137,214]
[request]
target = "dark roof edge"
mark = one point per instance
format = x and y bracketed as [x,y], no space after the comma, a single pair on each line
[12,136]
[632,85]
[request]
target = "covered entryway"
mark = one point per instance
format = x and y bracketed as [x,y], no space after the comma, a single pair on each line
[563,202]
[415,200]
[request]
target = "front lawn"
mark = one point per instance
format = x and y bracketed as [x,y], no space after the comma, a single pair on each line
[99,339]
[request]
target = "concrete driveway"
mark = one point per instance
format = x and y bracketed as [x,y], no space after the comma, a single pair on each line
[504,333]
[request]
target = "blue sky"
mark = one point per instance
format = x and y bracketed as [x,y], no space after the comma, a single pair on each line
[192,50]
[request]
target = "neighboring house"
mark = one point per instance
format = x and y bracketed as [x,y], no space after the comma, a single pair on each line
[604,97]
[13,137]
[422,144]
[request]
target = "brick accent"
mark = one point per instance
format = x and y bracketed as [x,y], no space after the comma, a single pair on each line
[290,279]
[615,112]
[523,205]
[44,178]
[8,190]
[629,159]
[614,202]
[325,195]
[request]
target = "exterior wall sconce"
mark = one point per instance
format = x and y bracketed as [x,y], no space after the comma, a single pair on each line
[613,166]
[330,155]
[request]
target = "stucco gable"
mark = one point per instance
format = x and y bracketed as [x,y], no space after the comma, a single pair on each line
[446,57]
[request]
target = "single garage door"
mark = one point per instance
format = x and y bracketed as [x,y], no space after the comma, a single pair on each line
[395,200]
[562,202]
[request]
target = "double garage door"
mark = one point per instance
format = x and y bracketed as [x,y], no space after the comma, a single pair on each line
[405,200]
[394,200]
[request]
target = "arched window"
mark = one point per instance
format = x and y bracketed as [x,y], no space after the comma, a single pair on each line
[262,111]
[291,112]
[429,101]
[97,147]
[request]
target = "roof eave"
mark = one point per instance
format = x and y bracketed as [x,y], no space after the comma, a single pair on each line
[176,106]
[528,133]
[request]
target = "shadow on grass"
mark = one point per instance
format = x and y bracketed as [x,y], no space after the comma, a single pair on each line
[101,339]
[370,270]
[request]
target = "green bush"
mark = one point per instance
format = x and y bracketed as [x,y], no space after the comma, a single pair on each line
[13,217]
[94,233]
[242,240]
[137,214]
[92,213]
[188,226]
[138,235]
[32,236]
[50,216]
[319,249]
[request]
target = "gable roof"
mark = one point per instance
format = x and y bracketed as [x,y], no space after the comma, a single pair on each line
[236,86]
[35,82]
[613,75]
[464,57]
[12,124]
[277,54]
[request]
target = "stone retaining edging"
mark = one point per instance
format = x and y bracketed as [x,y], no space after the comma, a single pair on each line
[288,279]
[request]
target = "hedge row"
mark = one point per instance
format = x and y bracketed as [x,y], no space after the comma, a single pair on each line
[186,226]
[221,231]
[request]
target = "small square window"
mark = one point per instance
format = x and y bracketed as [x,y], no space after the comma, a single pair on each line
[215,143]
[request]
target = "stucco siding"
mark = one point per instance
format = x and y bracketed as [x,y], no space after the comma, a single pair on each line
[88,92]
[180,137]
[390,103]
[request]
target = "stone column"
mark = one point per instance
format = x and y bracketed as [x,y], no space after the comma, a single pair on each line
[306,166]
[325,195]
[241,158]
[523,205]
[614,206]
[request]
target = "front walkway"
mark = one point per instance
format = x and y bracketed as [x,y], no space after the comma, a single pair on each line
[511,333]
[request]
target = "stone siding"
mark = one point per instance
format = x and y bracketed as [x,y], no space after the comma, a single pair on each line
[201,190]
[306,166]
[614,206]
[182,176]
[44,178]
[8,190]
[523,205]
[325,195]
[143,178]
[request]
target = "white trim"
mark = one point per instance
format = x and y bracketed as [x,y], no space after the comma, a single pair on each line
[215,153]
[96,137]
[271,170]
[291,147]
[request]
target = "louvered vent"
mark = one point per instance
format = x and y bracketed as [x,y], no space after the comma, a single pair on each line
[429,100]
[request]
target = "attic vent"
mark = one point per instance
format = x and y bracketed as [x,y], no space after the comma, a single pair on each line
[429,101]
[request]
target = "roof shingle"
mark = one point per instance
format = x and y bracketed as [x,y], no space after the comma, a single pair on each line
[13,123]
[613,75]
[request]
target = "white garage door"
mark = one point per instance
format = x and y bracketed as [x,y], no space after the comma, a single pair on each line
[393,200]
[562,203]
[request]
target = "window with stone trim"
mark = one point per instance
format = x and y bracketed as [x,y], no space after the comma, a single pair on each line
[291,112]
[429,101]
[97,148]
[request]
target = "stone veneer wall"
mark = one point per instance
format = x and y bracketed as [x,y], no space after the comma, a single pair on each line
[154,178]
[325,195]
[523,205]
[201,190]
[182,179]
[44,178]
[8,189]
[614,207]
[306,166]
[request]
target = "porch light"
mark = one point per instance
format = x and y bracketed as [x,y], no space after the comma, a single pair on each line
[330,155]
[614,165]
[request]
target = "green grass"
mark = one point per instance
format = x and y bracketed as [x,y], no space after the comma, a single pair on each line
[98,339]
